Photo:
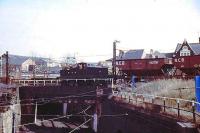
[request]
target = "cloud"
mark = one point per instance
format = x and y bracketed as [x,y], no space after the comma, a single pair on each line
[88,27]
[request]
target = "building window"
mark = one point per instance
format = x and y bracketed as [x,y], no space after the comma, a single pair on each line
[184,51]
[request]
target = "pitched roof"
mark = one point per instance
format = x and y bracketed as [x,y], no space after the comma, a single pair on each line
[16,59]
[169,55]
[39,60]
[132,54]
[157,54]
[195,47]
[178,47]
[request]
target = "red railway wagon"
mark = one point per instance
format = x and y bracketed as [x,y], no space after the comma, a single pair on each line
[189,65]
[145,67]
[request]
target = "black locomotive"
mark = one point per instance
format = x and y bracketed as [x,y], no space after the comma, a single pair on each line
[83,78]
[84,71]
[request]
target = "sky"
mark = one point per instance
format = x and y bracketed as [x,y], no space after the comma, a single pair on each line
[87,28]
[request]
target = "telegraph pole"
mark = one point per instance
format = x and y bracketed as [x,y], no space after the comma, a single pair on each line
[1,65]
[7,67]
[114,60]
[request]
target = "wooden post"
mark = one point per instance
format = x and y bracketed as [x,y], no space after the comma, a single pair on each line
[152,100]
[164,104]
[35,121]
[7,68]
[129,99]
[136,98]
[13,123]
[125,96]
[193,112]
[178,104]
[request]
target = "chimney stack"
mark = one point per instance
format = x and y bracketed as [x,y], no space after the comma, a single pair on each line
[199,39]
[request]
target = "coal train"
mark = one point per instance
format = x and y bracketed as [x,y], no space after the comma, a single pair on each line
[156,68]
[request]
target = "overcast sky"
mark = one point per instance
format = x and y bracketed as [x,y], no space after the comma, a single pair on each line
[56,28]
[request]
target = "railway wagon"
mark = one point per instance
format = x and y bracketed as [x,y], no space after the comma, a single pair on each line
[190,65]
[145,67]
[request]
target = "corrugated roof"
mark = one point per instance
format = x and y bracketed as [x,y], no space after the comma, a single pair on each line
[132,54]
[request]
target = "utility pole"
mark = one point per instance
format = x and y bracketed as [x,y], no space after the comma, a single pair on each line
[114,60]
[7,66]
[1,66]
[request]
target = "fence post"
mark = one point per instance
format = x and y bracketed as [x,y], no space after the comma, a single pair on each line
[152,99]
[193,112]
[142,98]
[136,98]
[129,98]
[164,104]
[178,108]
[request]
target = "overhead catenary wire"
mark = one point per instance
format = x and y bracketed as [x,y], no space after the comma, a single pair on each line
[33,99]
[50,99]
[80,125]
[47,100]
[78,115]
[60,117]
[77,95]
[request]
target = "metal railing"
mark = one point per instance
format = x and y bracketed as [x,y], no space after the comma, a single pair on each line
[174,106]
[46,82]
[32,82]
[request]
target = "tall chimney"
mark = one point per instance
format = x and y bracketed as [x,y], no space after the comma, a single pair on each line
[199,39]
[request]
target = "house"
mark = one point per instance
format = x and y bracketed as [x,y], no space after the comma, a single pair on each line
[34,64]
[20,65]
[187,49]
[157,54]
[15,62]
[131,54]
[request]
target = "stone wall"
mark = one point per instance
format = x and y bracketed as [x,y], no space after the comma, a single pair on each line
[6,116]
